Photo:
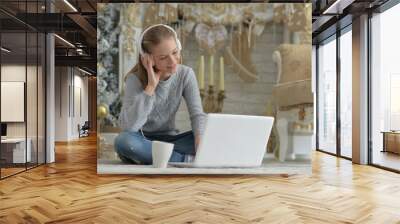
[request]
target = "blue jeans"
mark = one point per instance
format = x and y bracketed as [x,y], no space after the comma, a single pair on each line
[133,147]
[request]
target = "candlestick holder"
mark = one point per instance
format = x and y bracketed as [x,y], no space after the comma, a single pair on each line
[212,102]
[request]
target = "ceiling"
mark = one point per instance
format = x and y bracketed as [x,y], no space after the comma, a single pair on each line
[76,24]
[331,15]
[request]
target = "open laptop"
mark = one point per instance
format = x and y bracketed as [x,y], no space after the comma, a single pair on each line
[232,141]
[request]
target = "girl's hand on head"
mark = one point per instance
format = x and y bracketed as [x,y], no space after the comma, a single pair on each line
[152,77]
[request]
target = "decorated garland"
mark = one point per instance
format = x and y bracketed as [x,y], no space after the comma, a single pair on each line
[107,57]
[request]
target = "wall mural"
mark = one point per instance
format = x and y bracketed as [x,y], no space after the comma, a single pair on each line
[238,51]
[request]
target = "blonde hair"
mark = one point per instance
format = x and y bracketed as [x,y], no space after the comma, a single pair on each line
[151,38]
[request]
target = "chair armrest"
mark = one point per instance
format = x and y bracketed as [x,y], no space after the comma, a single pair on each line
[277,59]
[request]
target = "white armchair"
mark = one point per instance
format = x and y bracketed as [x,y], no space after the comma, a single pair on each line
[294,101]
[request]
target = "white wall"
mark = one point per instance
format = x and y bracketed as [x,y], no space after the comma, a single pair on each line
[67,115]
[79,117]
[12,73]
[61,104]
[33,126]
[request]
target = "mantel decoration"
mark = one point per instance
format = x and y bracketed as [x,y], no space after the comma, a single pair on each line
[212,103]
[228,28]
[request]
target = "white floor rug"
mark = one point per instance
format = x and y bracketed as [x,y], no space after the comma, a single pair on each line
[270,166]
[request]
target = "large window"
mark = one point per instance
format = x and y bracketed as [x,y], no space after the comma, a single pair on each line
[327,96]
[385,89]
[346,93]
[334,106]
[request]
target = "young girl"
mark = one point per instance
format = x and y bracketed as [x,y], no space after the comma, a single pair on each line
[153,92]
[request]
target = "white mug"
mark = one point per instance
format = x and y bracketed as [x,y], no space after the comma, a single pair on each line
[161,152]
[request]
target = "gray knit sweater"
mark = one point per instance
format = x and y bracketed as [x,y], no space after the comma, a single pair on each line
[157,113]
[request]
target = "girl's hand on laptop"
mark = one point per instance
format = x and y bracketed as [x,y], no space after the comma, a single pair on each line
[196,142]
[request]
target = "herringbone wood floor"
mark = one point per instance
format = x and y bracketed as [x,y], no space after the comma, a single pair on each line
[70,191]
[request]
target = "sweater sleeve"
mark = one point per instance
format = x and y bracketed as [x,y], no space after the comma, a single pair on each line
[191,94]
[136,105]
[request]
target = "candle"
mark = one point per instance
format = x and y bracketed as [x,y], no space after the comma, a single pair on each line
[221,74]
[201,72]
[211,70]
